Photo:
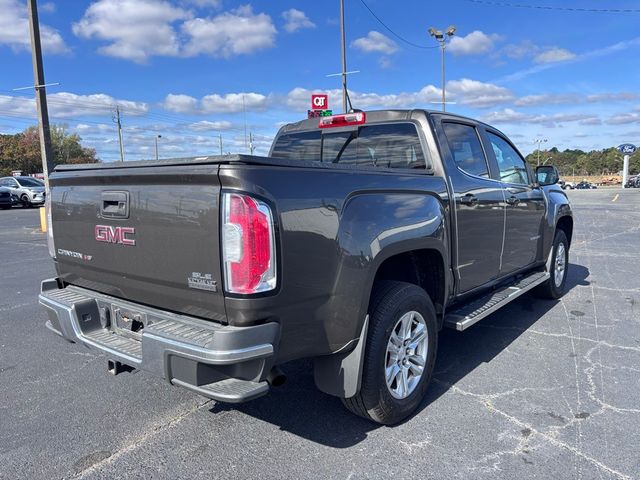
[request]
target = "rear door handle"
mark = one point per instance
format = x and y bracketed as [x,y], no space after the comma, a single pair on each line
[469,199]
[513,200]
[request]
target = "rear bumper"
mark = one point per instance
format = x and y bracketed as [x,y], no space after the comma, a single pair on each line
[220,362]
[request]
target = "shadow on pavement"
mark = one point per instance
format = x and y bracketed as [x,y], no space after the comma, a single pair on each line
[299,408]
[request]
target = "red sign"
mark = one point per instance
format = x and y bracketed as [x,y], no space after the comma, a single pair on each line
[319,101]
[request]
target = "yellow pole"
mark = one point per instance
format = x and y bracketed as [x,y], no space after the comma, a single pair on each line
[43,219]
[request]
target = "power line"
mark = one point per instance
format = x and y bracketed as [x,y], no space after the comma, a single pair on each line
[425,47]
[554,8]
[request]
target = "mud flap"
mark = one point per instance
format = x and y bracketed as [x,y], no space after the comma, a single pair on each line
[340,374]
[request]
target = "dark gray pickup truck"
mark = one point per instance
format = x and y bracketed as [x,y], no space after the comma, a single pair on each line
[354,243]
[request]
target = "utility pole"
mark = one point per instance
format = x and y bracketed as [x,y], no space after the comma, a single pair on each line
[116,119]
[220,144]
[344,58]
[41,93]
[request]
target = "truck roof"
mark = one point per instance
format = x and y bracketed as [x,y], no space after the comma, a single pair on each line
[377,116]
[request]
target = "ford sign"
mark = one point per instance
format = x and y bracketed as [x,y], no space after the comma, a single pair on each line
[627,149]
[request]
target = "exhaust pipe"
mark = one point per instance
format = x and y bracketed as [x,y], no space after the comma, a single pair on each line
[276,377]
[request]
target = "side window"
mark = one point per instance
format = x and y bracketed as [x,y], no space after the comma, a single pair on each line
[466,148]
[513,168]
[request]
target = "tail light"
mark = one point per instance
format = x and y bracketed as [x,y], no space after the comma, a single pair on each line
[47,210]
[248,245]
[344,120]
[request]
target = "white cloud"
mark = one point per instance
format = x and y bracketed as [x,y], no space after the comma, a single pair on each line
[511,116]
[216,103]
[14,29]
[624,118]
[464,91]
[234,102]
[574,98]
[591,121]
[475,43]
[231,33]
[375,42]
[299,98]
[136,29]
[554,55]
[478,94]
[67,105]
[612,97]
[204,3]
[47,7]
[139,29]
[520,50]
[180,103]
[547,99]
[296,20]
[207,126]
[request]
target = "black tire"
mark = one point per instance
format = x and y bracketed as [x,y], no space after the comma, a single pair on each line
[389,302]
[25,201]
[551,289]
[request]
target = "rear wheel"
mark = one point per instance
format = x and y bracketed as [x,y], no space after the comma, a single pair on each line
[555,286]
[400,353]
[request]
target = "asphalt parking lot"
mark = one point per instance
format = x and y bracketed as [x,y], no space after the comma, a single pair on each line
[541,389]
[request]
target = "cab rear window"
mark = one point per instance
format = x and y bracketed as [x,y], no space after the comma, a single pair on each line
[395,145]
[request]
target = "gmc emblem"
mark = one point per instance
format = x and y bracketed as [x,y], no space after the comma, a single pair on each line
[108,234]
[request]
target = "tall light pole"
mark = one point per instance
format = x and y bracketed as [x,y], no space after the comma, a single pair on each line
[442,38]
[156,139]
[539,141]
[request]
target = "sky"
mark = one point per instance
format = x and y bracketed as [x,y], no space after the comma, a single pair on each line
[197,71]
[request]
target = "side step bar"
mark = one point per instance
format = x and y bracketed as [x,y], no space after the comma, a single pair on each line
[471,313]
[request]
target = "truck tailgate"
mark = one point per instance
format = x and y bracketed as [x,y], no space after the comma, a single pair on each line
[149,234]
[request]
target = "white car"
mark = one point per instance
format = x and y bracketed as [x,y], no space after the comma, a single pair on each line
[29,190]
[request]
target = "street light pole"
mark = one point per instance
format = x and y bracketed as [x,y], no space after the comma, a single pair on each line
[444,99]
[442,40]
[538,141]
[156,138]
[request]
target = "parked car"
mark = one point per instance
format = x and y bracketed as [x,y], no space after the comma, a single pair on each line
[584,185]
[29,190]
[633,182]
[6,198]
[564,185]
[354,243]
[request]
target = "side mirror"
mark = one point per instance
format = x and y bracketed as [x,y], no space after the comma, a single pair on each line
[547,175]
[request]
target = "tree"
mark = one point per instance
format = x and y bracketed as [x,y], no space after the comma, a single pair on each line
[596,162]
[22,150]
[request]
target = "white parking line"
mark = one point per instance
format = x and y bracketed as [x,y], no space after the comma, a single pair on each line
[616,197]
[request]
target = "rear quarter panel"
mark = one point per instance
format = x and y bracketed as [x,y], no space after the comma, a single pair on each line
[335,227]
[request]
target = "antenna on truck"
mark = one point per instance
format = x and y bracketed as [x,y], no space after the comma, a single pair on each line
[344,73]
